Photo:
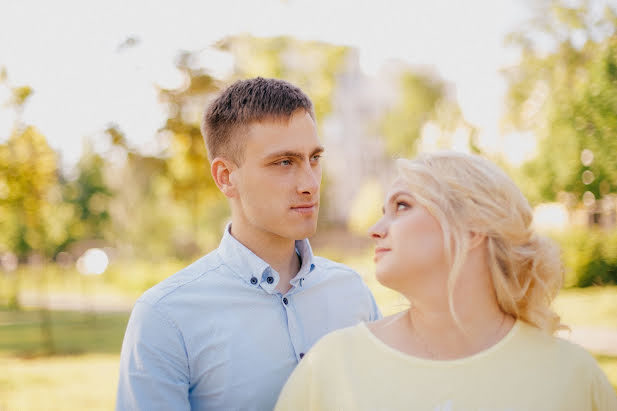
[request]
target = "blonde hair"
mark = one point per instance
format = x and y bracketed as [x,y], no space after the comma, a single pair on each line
[467,193]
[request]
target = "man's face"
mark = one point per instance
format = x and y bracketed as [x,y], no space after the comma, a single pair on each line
[278,182]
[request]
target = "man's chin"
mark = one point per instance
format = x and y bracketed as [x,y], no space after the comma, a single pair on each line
[300,233]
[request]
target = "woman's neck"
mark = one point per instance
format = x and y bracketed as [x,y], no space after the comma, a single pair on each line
[431,329]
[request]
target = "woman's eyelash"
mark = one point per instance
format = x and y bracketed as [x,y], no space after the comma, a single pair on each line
[401,203]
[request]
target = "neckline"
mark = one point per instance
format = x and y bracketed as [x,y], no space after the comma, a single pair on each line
[442,363]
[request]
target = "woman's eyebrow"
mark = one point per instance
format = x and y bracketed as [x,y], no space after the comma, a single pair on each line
[394,197]
[397,194]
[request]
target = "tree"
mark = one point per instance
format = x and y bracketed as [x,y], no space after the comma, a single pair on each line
[313,66]
[566,94]
[29,177]
[89,196]
[30,223]
[186,161]
[423,98]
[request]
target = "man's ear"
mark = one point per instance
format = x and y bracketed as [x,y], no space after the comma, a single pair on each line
[222,169]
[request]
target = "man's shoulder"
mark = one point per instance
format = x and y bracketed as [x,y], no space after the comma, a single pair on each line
[333,267]
[331,272]
[176,284]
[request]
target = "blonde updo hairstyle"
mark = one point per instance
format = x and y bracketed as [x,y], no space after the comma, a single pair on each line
[469,194]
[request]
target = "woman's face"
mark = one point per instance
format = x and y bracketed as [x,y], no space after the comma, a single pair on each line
[409,249]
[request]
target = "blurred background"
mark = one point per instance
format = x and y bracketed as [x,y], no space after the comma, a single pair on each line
[104,181]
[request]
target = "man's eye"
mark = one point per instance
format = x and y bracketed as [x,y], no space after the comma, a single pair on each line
[284,162]
[316,157]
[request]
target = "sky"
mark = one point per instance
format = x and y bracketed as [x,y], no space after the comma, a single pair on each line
[70,53]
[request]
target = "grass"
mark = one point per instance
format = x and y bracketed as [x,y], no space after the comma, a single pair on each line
[79,381]
[593,306]
[84,382]
[81,374]
[83,371]
[72,333]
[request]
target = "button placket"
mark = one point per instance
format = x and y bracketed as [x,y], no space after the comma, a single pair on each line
[295,333]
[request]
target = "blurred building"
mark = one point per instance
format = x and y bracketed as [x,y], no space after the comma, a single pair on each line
[355,151]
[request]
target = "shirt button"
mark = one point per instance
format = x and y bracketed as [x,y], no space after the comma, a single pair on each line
[270,280]
[253,280]
[301,355]
[285,300]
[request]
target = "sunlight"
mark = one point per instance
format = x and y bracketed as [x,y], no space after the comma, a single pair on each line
[93,262]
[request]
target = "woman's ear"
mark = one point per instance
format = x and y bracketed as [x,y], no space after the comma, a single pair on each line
[222,170]
[476,239]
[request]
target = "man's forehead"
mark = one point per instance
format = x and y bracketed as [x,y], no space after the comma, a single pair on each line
[272,137]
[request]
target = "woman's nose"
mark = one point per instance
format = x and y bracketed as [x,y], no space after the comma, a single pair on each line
[378,230]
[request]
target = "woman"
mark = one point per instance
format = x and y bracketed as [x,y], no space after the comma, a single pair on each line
[455,240]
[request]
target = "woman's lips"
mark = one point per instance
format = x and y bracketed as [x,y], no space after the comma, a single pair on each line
[379,252]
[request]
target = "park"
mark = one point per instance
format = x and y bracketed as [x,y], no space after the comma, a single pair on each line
[95,211]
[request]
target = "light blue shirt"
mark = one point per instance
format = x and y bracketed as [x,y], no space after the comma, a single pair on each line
[217,335]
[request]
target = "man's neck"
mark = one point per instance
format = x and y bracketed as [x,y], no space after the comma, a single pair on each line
[278,252]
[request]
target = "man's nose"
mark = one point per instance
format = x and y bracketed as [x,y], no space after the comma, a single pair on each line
[309,179]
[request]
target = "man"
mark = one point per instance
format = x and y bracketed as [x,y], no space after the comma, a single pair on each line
[226,331]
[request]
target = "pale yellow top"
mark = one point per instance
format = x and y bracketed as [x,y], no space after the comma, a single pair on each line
[351,369]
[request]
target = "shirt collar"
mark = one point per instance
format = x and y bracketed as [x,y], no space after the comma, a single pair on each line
[256,271]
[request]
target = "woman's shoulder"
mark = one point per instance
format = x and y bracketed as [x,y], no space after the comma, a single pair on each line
[338,341]
[343,335]
[375,326]
[555,348]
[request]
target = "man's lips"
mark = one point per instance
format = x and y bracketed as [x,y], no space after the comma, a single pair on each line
[379,252]
[307,208]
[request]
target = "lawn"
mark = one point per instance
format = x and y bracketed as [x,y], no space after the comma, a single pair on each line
[78,382]
[82,372]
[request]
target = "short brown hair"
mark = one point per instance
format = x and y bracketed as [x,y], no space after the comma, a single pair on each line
[245,102]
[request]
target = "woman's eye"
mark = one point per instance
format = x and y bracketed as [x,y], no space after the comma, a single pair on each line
[401,205]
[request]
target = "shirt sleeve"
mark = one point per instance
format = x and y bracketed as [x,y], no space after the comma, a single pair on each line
[154,372]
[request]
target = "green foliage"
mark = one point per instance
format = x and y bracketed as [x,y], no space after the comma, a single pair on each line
[422,98]
[21,95]
[90,196]
[567,96]
[590,257]
[185,174]
[30,199]
[312,66]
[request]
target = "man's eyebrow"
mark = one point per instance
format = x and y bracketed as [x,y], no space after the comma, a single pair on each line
[296,154]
